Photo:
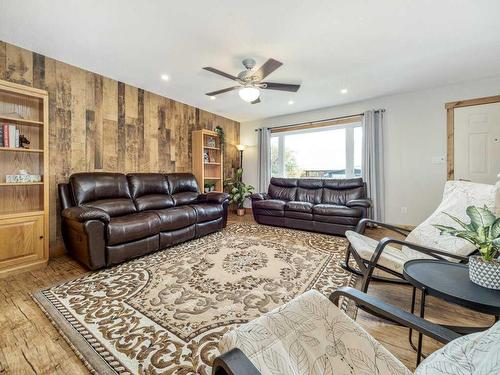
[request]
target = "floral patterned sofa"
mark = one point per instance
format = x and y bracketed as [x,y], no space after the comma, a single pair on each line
[310,335]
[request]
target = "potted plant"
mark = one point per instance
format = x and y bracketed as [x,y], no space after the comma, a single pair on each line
[209,186]
[483,232]
[238,191]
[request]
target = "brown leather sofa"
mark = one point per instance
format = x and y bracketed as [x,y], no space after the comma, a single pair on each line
[108,218]
[318,205]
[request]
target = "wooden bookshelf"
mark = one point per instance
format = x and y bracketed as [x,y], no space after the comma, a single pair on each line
[24,206]
[210,171]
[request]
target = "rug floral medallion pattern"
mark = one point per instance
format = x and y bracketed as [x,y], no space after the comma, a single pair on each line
[166,312]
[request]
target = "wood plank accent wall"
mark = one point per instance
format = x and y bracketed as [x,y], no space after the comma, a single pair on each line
[99,124]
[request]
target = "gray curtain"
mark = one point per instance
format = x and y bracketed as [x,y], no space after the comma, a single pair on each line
[373,161]
[264,158]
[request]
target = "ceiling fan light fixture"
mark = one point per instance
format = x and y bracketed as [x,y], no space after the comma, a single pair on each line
[249,94]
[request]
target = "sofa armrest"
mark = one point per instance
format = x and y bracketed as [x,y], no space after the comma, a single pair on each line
[213,197]
[84,213]
[366,203]
[259,196]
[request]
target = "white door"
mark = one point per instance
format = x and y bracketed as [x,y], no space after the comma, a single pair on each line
[477,143]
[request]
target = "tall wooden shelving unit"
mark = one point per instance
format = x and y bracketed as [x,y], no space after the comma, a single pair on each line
[210,171]
[24,207]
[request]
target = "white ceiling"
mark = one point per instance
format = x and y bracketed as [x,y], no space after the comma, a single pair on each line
[372,48]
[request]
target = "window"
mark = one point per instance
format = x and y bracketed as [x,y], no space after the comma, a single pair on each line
[329,151]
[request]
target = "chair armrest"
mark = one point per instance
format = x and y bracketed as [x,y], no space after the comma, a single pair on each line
[435,253]
[374,306]
[366,203]
[234,362]
[360,228]
[84,213]
[213,197]
[259,196]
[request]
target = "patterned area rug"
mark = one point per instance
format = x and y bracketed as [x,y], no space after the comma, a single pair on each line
[166,312]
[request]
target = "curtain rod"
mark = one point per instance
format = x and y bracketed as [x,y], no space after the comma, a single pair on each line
[314,122]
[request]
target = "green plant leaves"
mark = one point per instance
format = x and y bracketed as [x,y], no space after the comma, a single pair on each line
[483,231]
[480,217]
[495,229]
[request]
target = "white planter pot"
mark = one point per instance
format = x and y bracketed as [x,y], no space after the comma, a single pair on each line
[484,273]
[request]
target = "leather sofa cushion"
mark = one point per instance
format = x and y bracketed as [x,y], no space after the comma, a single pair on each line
[182,182]
[176,218]
[147,183]
[282,192]
[299,215]
[265,212]
[207,211]
[283,188]
[132,227]
[154,202]
[341,220]
[92,186]
[341,197]
[309,195]
[150,191]
[343,184]
[114,207]
[299,206]
[184,198]
[335,210]
[269,204]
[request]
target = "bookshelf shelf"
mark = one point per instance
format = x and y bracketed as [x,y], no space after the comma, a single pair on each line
[20,183]
[20,121]
[19,149]
[24,206]
[208,159]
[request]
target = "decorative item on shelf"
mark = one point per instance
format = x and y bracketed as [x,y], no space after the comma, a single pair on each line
[238,191]
[23,141]
[22,177]
[483,232]
[209,186]
[206,157]
[220,133]
[241,148]
[211,142]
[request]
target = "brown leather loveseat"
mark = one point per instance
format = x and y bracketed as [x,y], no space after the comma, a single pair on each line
[318,205]
[108,218]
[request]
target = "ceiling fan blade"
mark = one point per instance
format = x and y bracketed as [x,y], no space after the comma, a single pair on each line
[269,66]
[221,73]
[256,101]
[280,86]
[213,93]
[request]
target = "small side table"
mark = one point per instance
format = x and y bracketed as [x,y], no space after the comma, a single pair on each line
[450,282]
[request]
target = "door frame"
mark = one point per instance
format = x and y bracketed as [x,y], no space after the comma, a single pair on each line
[450,126]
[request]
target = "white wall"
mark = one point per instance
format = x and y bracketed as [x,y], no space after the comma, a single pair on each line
[415,133]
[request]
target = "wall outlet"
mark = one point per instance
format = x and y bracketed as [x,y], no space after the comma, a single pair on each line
[438,159]
[404,210]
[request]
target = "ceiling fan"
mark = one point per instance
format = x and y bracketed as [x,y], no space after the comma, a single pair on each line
[250,80]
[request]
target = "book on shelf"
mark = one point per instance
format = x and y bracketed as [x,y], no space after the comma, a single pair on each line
[6,135]
[12,135]
[9,136]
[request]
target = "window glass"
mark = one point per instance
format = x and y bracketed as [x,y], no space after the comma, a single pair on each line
[334,152]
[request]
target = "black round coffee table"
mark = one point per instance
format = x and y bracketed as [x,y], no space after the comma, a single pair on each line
[450,282]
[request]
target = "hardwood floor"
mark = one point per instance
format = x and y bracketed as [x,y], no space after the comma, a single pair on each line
[29,344]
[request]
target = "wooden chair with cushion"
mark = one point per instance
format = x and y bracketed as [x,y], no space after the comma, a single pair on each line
[424,241]
[311,335]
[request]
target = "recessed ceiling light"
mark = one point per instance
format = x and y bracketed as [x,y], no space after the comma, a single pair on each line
[165,77]
[213,97]
[290,102]
[343,91]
